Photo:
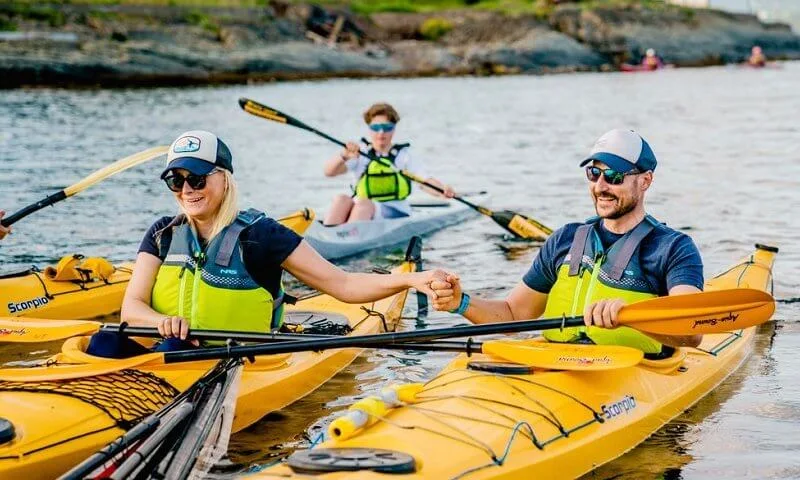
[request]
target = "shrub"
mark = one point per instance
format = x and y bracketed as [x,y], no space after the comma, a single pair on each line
[435,28]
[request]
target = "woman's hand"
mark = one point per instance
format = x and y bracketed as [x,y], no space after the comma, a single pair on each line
[177,327]
[447,293]
[422,281]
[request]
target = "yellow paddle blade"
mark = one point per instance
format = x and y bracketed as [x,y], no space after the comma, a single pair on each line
[66,372]
[29,330]
[298,221]
[116,167]
[564,356]
[529,228]
[702,313]
[262,111]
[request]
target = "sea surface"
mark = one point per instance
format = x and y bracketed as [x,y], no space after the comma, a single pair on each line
[727,140]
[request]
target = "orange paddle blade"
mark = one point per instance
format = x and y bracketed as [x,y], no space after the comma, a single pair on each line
[563,356]
[29,330]
[701,313]
[65,372]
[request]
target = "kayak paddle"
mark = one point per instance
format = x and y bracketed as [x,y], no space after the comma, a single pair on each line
[696,313]
[183,427]
[517,224]
[97,176]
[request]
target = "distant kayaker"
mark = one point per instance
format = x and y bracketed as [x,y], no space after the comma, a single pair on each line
[757,57]
[216,267]
[380,191]
[594,268]
[651,61]
[3,230]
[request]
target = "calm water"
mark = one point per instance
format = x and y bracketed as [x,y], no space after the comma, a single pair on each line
[729,175]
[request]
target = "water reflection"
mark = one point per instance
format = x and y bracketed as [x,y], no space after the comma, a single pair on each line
[728,175]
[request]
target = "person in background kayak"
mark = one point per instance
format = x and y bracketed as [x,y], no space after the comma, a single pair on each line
[651,61]
[380,191]
[3,230]
[757,57]
[215,267]
[622,255]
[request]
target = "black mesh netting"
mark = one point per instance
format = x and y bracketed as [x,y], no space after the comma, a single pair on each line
[126,396]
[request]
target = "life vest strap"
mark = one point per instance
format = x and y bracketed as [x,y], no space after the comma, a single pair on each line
[629,247]
[231,238]
[163,237]
[577,248]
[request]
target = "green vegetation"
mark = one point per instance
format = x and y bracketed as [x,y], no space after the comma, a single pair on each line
[7,25]
[196,17]
[540,8]
[435,28]
[42,13]
[371,6]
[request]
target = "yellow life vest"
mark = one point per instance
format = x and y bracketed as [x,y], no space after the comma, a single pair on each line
[381,180]
[211,287]
[590,273]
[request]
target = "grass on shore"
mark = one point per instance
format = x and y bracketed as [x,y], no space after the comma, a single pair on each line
[367,7]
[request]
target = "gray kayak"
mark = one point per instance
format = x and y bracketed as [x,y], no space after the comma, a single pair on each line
[428,216]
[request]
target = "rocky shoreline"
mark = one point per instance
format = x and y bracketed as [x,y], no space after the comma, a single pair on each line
[68,45]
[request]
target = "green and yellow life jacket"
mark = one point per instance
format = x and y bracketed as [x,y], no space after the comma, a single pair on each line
[381,181]
[211,287]
[590,273]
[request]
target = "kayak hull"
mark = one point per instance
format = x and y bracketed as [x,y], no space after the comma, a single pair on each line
[549,424]
[33,294]
[357,237]
[56,431]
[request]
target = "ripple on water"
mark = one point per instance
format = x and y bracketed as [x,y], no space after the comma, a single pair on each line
[725,143]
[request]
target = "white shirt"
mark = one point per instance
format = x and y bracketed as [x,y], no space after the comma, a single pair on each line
[404,161]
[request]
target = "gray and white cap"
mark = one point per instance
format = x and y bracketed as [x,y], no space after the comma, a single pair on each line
[199,152]
[623,150]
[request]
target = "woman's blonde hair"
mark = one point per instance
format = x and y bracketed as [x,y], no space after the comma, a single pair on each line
[228,209]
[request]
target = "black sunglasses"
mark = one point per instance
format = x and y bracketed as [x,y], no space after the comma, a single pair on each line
[612,177]
[197,182]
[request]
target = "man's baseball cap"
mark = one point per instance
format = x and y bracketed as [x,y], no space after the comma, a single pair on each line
[623,150]
[199,152]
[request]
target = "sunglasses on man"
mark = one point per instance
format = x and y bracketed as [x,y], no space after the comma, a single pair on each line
[611,176]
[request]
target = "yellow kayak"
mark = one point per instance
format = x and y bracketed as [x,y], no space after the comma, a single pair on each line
[32,293]
[52,417]
[481,418]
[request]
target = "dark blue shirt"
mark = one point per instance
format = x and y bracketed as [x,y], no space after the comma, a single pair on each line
[265,246]
[667,257]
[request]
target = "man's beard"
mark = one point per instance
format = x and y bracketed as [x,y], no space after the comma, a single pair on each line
[623,209]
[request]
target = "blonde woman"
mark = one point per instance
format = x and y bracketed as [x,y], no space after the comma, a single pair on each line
[215,267]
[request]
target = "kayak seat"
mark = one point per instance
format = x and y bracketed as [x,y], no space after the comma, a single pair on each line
[667,365]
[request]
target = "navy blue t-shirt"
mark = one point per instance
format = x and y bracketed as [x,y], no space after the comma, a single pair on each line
[667,257]
[265,246]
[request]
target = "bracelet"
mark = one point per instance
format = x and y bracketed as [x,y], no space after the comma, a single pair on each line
[463,306]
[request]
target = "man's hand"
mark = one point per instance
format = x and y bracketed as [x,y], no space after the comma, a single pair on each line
[603,313]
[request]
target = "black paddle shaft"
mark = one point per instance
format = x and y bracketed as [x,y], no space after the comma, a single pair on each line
[369,341]
[24,212]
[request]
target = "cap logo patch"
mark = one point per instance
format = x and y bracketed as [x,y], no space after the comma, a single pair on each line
[186,144]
